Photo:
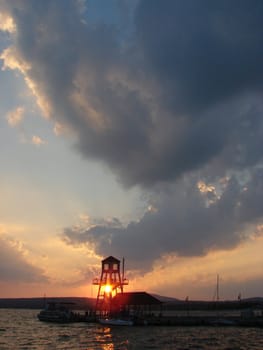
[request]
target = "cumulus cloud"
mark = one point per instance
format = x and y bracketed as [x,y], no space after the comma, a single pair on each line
[173,101]
[37,140]
[13,265]
[6,23]
[161,105]
[190,219]
[15,116]
[203,52]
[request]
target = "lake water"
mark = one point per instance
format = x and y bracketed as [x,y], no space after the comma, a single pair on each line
[21,330]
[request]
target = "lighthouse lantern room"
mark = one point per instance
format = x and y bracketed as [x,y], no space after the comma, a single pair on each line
[110,283]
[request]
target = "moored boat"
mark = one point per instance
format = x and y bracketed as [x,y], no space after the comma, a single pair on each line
[56,312]
[115,322]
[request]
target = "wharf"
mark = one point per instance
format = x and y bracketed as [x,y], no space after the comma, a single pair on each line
[195,321]
[176,321]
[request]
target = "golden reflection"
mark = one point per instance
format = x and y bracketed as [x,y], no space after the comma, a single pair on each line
[104,338]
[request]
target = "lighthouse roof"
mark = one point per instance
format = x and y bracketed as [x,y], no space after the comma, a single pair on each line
[110,259]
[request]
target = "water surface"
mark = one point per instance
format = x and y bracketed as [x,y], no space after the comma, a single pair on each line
[21,330]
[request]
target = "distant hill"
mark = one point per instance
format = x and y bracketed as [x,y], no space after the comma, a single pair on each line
[255,299]
[165,299]
[78,303]
[81,303]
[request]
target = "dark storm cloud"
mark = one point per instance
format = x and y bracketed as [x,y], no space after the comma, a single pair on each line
[186,222]
[173,99]
[157,102]
[14,267]
[202,52]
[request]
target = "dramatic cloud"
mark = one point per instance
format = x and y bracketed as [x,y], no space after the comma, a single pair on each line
[188,220]
[14,267]
[156,103]
[171,104]
[202,52]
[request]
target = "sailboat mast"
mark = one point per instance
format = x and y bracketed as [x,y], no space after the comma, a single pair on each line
[217,287]
[122,269]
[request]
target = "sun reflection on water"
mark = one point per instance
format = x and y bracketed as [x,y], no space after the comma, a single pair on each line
[104,338]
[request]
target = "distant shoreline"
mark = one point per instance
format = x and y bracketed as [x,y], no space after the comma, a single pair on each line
[85,303]
[81,303]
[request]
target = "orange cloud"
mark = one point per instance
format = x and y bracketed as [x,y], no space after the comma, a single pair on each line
[16,116]
[6,23]
[36,140]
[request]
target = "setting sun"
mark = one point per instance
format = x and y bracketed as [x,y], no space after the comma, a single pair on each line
[108,288]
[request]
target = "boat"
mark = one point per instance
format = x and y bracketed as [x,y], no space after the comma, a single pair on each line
[223,322]
[115,322]
[56,312]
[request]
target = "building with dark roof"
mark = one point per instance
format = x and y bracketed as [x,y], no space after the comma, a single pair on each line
[136,302]
[136,299]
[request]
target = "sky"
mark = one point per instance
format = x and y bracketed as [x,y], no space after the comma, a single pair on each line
[131,128]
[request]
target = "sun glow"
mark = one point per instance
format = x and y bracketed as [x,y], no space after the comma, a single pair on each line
[108,288]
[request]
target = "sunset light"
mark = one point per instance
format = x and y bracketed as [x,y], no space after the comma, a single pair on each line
[127,139]
[131,182]
[108,289]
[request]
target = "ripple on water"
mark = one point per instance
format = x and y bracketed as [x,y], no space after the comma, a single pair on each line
[20,330]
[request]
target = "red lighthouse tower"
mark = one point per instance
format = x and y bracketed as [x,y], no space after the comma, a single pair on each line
[111,283]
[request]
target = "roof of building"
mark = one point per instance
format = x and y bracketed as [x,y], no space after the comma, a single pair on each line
[136,298]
